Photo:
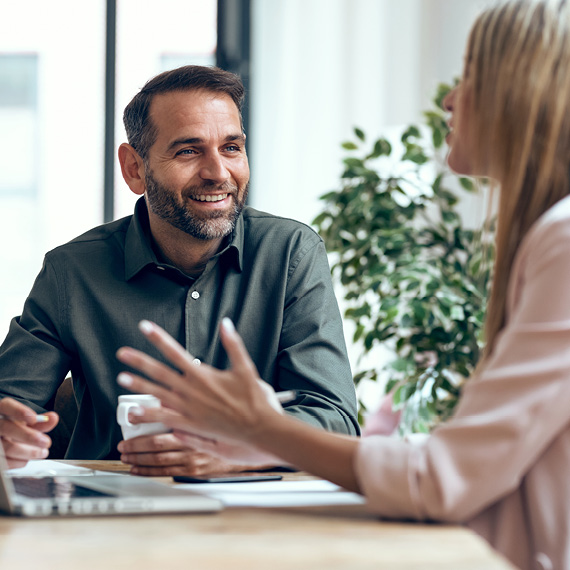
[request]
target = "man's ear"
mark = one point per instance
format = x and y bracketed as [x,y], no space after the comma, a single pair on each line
[132,168]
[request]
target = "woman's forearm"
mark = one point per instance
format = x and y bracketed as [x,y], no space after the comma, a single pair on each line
[325,454]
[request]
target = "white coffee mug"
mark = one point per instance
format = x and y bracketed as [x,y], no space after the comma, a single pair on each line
[126,404]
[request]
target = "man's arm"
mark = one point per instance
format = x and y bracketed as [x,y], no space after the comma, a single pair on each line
[312,355]
[33,364]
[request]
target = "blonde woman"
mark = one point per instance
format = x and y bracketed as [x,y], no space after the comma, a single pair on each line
[502,464]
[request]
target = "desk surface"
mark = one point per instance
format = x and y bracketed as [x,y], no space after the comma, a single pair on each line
[339,538]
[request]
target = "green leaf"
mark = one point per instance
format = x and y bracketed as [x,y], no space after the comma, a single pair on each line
[349,145]
[381,147]
[390,386]
[457,313]
[320,219]
[442,90]
[354,162]
[467,183]
[438,137]
[411,131]
[356,313]
[415,153]
[358,333]
[359,133]
[402,365]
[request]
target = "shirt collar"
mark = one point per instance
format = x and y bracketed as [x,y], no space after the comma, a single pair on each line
[138,243]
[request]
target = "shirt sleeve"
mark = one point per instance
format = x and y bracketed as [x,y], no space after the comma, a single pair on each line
[513,410]
[312,355]
[33,360]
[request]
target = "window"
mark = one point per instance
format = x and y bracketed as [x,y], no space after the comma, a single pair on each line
[18,125]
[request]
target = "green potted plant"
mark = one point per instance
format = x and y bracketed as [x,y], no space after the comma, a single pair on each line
[413,276]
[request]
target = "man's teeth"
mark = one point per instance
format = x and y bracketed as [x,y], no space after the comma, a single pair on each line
[210,197]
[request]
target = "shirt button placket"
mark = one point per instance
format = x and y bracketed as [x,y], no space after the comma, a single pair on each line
[195,295]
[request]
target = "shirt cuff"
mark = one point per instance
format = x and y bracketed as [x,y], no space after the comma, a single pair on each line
[387,471]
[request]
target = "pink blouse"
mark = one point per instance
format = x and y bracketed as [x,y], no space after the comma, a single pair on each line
[502,464]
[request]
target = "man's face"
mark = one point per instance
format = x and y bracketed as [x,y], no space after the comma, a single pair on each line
[196,172]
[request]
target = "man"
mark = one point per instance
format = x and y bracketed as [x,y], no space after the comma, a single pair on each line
[190,255]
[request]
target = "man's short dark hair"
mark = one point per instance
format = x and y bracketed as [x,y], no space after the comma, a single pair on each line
[141,133]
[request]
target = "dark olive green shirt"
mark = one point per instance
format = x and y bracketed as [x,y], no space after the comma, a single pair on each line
[271,278]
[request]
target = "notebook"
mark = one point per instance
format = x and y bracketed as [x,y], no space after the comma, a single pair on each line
[95,494]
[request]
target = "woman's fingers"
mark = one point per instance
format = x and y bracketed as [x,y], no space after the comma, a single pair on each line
[171,350]
[177,419]
[135,383]
[218,402]
[237,353]
[148,366]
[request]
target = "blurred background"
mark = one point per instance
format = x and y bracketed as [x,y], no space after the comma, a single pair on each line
[313,70]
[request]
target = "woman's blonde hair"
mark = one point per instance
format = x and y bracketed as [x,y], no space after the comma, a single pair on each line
[518,63]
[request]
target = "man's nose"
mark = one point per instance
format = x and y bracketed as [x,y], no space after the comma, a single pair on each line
[213,168]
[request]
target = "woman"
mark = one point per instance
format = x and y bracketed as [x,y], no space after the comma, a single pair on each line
[501,464]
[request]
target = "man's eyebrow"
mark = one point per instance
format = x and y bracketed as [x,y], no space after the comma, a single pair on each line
[197,140]
[178,142]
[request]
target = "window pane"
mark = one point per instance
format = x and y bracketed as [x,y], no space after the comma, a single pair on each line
[52,58]
[18,124]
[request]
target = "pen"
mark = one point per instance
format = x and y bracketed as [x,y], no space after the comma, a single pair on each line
[40,418]
[286,396]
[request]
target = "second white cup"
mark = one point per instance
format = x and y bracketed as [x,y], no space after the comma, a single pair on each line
[126,404]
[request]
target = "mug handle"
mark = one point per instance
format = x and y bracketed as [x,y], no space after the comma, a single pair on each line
[123,413]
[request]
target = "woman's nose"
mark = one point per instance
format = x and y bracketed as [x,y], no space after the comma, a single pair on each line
[449,100]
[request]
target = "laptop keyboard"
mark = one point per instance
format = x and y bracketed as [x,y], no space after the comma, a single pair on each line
[52,488]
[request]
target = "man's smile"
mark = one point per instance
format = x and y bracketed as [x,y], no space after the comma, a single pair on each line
[209,197]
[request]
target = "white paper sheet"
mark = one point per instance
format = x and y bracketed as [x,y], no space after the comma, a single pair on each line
[49,468]
[277,493]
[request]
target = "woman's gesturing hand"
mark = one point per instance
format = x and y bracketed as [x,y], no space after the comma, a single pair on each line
[220,404]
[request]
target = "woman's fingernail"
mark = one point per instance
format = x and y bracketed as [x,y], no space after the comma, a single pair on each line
[146,327]
[228,325]
[138,411]
[124,379]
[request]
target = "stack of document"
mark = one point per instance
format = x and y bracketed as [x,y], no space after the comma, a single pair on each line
[309,493]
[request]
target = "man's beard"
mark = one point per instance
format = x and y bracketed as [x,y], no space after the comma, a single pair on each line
[213,225]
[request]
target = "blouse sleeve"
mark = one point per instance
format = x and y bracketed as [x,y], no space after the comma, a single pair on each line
[508,415]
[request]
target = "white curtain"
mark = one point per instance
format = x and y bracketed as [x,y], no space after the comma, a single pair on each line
[321,67]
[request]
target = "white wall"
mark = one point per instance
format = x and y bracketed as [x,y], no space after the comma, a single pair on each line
[321,67]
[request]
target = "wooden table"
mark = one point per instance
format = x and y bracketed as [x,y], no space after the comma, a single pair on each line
[339,538]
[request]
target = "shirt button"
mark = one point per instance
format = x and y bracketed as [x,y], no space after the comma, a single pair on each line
[195,295]
[197,362]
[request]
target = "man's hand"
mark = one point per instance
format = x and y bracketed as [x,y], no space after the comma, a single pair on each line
[235,452]
[21,435]
[165,455]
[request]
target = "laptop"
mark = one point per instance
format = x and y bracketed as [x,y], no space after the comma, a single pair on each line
[98,493]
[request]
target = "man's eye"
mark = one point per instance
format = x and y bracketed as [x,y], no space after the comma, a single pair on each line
[233,148]
[185,151]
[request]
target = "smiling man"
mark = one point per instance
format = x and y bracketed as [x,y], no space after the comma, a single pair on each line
[191,254]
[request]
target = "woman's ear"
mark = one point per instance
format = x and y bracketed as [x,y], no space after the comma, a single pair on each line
[132,168]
